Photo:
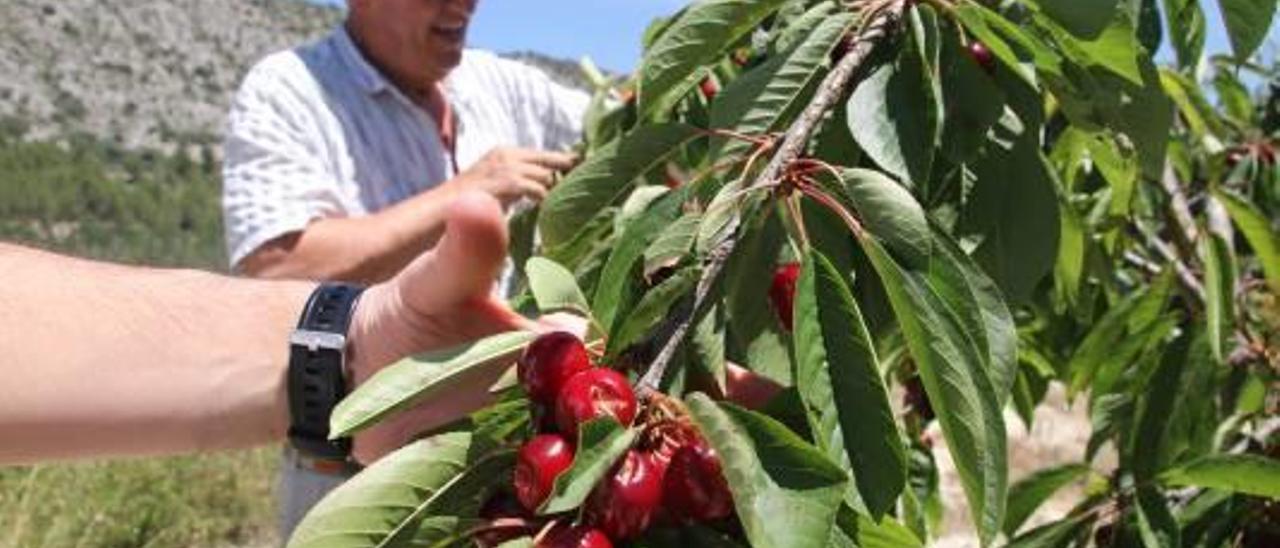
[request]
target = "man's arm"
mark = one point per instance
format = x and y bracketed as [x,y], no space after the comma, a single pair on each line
[373,248]
[105,360]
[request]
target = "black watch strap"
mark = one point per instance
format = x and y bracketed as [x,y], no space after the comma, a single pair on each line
[317,379]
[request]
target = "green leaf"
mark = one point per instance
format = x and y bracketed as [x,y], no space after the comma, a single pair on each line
[1257,230]
[1156,525]
[1247,24]
[554,287]
[1186,23]
[756,338]
[616,278]
[838,375]
[1027,495]
[700,35]
[894,116]
[1220,290]
[890,212]
[1156,404]
[672,244]
[959,386]
[605,176]
[864,532]
[1249,474]
[776,478]
[979,305]
[770,95]
[422,489]
[1055,534]
[972,100]
[423,377]
[1014,212]
[651,310]
[601,443]
[1115,49]
[1084,18]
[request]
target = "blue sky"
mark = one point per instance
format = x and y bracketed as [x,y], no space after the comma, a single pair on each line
[609,31]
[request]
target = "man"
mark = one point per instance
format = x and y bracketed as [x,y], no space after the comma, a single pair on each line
[106,360]
[342,156]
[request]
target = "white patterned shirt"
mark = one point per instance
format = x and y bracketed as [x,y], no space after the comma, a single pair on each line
[318,132]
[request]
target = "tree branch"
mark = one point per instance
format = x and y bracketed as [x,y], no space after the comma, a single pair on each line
[881,18]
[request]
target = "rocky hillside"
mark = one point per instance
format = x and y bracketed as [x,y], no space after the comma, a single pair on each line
[143,73]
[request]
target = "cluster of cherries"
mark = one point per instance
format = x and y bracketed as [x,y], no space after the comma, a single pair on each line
[671,476]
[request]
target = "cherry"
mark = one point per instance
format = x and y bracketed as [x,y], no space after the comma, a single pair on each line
[783,292]
[507,520]
[592,394]
[624,502]
[1266,153]
[916,399]
[550,361]
[709,88]
[576,536]
[1236,155]
[694,488]
[538,463]
[983,56]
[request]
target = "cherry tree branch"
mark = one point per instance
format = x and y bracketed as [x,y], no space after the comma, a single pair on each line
[880,20]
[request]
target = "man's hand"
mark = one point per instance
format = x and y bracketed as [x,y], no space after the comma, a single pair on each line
[510,174]
[442,299]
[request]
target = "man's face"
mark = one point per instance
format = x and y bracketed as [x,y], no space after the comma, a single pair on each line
[423,38]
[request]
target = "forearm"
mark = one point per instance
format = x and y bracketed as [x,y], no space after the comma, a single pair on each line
[367,249]
[177,361]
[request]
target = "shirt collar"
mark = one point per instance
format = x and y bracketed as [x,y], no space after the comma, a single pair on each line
[365,74]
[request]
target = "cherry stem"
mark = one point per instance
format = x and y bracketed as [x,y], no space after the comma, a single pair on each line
[754,139]
[812,190]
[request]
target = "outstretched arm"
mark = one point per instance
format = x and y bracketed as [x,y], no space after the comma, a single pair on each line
[106,360]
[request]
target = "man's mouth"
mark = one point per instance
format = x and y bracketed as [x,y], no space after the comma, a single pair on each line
[454,32]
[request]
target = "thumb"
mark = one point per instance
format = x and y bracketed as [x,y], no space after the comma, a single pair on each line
[465,263]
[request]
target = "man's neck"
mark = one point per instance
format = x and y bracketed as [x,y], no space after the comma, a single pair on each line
[427,93]
[417,88]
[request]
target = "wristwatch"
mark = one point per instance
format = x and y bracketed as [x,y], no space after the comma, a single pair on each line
[317,378]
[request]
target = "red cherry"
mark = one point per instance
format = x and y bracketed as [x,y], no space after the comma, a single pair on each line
[1236,155]
[709,88]
[694,488]
[783,292]
[576,536]
[624,502]
[537,464]
[550,361]
[592,394]
[983,56]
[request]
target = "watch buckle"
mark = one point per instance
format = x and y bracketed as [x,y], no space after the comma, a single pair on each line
[317,340]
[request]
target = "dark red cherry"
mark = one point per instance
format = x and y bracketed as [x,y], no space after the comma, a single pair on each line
[548,362]
[592,394]
[782,293]
[538,463]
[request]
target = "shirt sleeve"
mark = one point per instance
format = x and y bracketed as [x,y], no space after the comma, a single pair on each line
[275,175]
[552,112]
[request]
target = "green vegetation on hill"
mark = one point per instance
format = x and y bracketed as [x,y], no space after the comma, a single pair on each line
[90,198]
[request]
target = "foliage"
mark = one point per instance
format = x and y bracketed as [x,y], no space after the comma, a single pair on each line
[1051,207]
[95,199]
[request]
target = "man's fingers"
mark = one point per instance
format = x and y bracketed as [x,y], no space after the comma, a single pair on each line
[558,161]
[538,174]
